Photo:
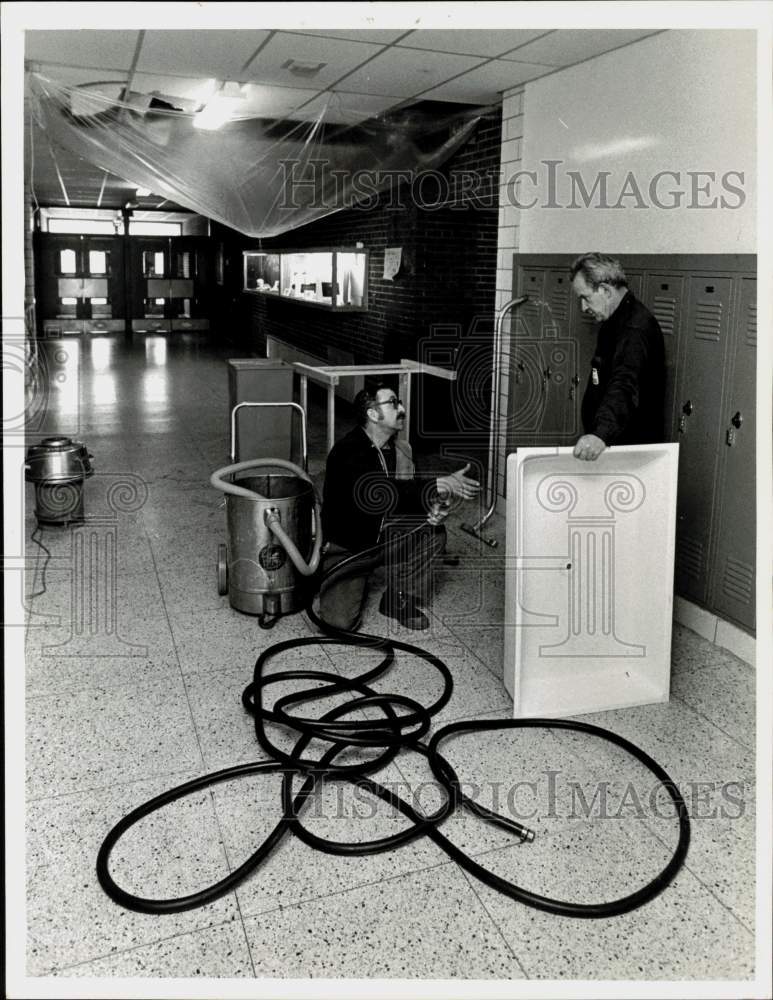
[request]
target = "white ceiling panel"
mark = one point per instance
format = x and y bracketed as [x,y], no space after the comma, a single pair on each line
[486,83]
[337,55]
[470,41]
[220,54]
[108,49]
[568,46]
[344,108]
[188,87]
[72,76]
[380,36]
[264,100]
[405,72]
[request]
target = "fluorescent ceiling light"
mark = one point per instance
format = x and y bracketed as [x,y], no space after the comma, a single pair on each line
[221,108]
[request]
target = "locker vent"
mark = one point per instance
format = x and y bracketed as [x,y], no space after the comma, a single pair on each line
[738,581]
[689,557]
[558,304]
[664,311]
[751,324]
[708,320]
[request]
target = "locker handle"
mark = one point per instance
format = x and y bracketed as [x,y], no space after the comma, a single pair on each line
[688,408]
[737,419]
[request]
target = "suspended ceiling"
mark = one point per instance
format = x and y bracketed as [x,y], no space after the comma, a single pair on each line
[354,73]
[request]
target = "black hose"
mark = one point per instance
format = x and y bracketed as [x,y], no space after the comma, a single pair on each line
[386,736]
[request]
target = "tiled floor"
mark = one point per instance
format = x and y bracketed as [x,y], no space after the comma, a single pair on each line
[134,682]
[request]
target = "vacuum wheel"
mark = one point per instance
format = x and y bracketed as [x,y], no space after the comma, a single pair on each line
[222,571]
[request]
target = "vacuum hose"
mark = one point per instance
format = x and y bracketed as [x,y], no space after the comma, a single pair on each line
[403,724]
[218,480]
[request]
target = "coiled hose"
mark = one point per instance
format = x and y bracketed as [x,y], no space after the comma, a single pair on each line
[388,735]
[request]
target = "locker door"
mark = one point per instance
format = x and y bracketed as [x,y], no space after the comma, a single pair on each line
[635,283]
[530,281]
[542,360]
[559,360]
[664,297]
[525,404]
[733,591]
[584,332]
[699,406]
[150,284]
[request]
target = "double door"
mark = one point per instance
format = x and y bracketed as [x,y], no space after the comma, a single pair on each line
[94,284]
[80,284]
[706,308]
[169,284]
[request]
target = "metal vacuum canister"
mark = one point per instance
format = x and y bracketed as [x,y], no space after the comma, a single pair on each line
[58,466]
[261,576]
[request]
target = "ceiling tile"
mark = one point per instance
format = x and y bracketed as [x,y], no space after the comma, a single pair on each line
[186,87]
[345,108]
[380,36]
[405,72]
[218,53]
[72,76]
[262,99]
[567,46]
[487,82]
[105,49]
[338,56]
[470,41]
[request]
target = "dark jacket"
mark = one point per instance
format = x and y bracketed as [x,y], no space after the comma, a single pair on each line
[359,496]
[626,407]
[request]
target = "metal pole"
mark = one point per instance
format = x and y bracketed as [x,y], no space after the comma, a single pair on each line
[496,366]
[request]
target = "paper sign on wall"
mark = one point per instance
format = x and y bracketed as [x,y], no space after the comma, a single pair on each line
[392,259]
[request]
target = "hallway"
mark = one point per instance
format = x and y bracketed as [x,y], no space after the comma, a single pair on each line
[134,672]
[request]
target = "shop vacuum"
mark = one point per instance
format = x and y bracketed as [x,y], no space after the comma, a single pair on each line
[270,567]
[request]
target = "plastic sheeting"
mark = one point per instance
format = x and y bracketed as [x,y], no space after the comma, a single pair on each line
[260,175]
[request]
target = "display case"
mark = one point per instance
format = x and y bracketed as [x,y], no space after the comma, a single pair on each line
[331,279]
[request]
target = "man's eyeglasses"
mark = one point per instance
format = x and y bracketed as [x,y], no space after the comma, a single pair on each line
[392,401]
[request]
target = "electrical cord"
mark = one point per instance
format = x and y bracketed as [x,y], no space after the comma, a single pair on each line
[386,736]
[37,541]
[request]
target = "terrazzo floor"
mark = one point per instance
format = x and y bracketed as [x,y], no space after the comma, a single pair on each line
[134,681]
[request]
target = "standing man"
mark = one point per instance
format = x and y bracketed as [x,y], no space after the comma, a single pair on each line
[625,396]
[371,496]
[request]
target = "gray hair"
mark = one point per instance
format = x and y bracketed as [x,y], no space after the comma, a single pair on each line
[599,268]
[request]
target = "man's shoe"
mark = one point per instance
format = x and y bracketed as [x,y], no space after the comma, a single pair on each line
[403,607]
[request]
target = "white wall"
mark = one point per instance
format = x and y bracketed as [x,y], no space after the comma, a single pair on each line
[681,101]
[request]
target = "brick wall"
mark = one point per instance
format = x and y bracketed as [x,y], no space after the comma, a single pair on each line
[507,246]
[446,225]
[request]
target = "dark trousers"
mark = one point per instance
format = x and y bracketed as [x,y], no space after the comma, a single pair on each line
[408,557]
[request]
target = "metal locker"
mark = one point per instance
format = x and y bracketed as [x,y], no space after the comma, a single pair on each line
[733,584]
[583,331]
[530,281]
[664,297]
[543,359]
[706,333]
[635,282]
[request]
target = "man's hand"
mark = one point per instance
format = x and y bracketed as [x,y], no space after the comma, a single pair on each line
[588,448]
[458,484]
